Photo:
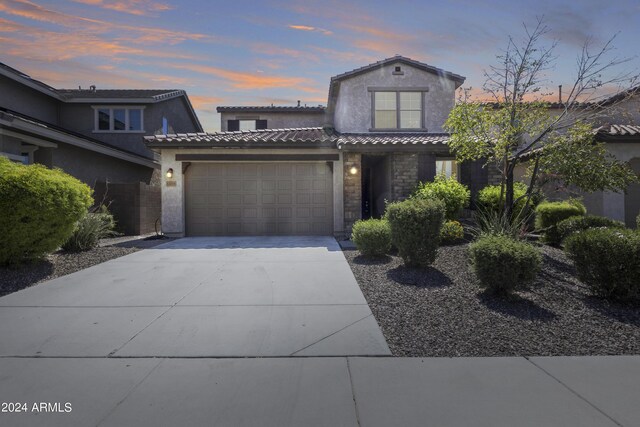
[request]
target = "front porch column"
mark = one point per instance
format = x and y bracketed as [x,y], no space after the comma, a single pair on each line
[352,190]
[338,198]
[173,222]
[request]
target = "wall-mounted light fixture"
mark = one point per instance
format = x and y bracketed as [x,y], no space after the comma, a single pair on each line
[353,170]
[170,173]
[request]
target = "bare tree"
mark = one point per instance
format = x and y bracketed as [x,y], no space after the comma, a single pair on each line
[519,125]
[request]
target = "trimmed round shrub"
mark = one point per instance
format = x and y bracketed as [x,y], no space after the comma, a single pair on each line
[372,237]
[40,208]
[455,195]
[503,264]
[568,226]
[607,260]
[549,214]
[89,230]
[451,232]
[415,229]
[489,199]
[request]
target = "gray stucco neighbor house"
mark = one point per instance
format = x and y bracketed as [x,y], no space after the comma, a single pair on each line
[310,170]
[94,135]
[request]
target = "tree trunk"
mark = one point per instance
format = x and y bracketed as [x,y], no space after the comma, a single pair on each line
[508,199]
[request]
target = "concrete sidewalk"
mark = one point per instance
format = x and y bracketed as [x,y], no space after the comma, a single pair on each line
[330,391]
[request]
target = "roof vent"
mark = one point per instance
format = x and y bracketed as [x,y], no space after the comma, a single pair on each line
[298,102]
[92,88]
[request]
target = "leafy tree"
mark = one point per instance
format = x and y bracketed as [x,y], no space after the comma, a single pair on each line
[518,126]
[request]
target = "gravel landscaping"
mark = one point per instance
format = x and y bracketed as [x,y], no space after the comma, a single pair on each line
[62,263]
[441,311]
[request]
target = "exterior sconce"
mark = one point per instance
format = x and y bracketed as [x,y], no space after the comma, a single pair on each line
[170,173]
[353,170]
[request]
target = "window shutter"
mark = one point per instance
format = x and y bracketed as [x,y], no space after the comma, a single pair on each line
[233,125]
[261,124]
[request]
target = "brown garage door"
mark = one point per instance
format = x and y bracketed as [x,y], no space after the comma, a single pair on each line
[230,199]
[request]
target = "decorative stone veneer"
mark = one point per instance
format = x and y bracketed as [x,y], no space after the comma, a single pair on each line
[352,190]
[404,175]
[494,175]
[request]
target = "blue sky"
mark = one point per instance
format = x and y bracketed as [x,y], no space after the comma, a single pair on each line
[263,52]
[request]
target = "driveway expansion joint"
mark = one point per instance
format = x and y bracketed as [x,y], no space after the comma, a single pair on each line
[565,385]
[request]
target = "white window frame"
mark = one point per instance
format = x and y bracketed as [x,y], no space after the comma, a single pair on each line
[127,108]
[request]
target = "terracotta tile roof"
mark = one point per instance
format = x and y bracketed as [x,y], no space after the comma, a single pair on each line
[315,135]
[619,131]
[298,135]
[271,109]
[409,138]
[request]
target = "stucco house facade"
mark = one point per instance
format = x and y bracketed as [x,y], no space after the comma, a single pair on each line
[94,135]
[314,170]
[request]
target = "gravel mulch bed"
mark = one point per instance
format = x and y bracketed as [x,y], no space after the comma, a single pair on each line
[441,311]
[62,263]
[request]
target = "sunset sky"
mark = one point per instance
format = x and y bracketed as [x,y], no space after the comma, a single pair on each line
[262,52]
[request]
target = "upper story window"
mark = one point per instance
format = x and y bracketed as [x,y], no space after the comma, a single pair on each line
[245,124]
[119,119]
[397,110]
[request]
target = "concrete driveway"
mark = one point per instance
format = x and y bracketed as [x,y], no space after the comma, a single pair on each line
[199,297]
[207,332]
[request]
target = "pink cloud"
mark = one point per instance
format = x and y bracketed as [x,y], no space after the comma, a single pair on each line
[134,7]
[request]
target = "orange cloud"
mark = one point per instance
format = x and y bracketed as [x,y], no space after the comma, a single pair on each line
[205,103]
[134,7]
[34,43]
[27,9]
[309,28]
[243,80]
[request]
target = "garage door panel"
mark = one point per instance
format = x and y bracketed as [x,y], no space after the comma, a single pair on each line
[259,199]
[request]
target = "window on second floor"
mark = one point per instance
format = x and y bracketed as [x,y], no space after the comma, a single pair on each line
[397,110]
[242,124]
[119,119]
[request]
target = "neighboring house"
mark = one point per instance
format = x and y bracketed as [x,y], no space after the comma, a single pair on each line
[620,131]
[310,170]
[270,117]
[94,135]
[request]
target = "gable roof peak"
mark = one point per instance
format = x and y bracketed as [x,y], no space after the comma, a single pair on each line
[406,60]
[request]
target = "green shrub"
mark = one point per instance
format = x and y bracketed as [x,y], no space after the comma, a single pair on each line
[503,264]
[454,194]
[89,230]
[451,232]
[489,199]
[372,237]
[607,260]
[415,229]
[568,226]
[638,222]
[491,222]
[549,214]
[39,209]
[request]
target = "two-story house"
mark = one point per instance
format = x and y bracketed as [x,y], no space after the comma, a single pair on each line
[312,170]
[94,135]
